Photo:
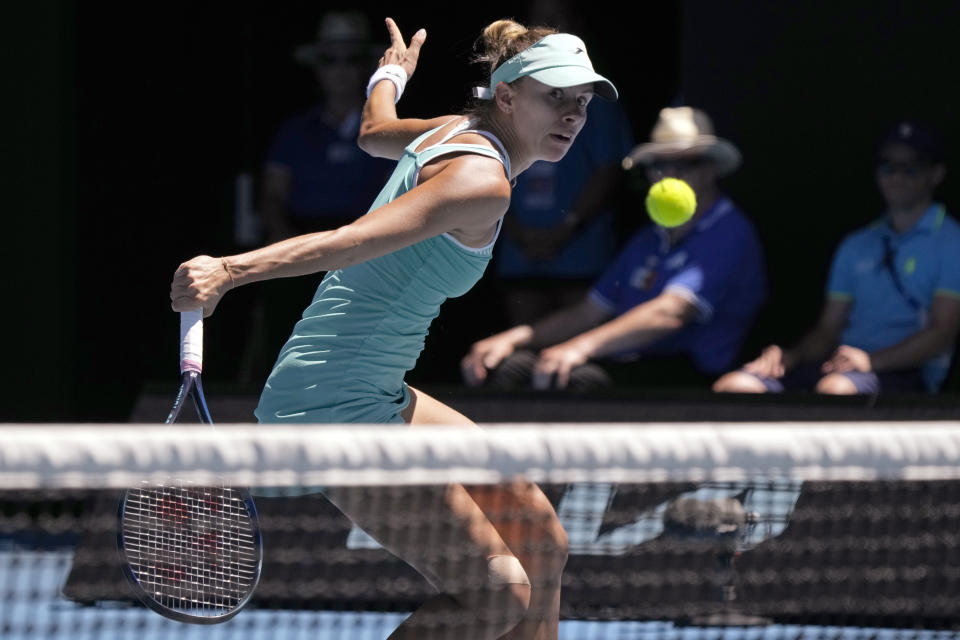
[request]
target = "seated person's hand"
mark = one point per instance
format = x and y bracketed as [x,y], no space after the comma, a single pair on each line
[484,355]
[279,230]
[847,358]
[554,365]
[768,365]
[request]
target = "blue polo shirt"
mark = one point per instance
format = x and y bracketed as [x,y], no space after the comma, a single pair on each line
[718,266]
[330,175]
[927,261]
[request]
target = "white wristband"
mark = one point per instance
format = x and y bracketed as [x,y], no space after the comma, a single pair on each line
[392,72]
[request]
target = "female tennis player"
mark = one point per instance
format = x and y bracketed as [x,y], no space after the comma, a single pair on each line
[427,237]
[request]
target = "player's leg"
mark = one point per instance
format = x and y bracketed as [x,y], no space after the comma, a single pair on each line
[525,520]
[427,410]
[484,591]
[529,525]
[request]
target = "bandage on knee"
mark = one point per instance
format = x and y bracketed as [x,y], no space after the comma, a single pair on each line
[505,570]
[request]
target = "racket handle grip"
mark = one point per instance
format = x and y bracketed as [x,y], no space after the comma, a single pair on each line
[191,340]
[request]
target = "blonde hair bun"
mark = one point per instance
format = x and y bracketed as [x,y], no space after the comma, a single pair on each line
[503,39]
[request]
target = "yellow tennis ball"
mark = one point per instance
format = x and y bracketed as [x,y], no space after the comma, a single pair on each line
[671,202]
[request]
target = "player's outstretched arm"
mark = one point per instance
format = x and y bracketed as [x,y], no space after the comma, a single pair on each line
[382,133]
[469,192]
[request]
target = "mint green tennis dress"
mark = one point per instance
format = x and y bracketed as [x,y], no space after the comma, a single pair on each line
[365,328]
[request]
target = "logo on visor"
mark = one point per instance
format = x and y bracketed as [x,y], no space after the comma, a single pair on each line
[577,50]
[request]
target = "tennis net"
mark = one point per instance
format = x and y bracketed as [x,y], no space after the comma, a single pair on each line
[746,530]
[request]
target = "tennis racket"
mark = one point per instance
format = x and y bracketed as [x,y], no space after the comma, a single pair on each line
[191,553]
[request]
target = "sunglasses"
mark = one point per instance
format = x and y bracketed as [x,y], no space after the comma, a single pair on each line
[909,169]
[678,166]
[353,59]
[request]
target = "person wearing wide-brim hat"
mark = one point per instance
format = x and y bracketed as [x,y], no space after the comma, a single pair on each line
[341,56]
[314,176]
[685,132]
[673,307]
[338,31]
[683,145]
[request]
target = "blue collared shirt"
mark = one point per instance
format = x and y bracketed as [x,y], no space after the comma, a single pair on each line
[330,175]
[718,266]
[927,262]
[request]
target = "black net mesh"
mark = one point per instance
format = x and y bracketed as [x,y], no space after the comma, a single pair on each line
[759,558]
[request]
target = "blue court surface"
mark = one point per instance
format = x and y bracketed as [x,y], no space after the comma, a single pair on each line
[33,608]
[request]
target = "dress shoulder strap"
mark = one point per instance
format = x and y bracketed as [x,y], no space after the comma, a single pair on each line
[444,146]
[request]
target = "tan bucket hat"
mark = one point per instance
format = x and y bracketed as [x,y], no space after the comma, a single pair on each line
[683,131]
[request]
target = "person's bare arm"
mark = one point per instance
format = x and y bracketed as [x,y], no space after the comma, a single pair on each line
[382,133]
[644,324]
[566,323]
[387,138]
[545,243]
[939,335]
[818,343]
[815,346]
[469,190]
[488,353]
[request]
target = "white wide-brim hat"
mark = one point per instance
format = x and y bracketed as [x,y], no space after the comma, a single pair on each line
[684,131]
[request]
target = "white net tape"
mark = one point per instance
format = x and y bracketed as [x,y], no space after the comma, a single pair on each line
[39,456]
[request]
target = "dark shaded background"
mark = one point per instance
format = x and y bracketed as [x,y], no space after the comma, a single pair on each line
[128,124]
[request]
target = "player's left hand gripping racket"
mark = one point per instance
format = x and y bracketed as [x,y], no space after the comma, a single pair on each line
[190,553]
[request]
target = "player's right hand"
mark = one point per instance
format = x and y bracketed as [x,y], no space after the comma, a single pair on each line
[484,355]
[769,364]
[199,283]
[401,54]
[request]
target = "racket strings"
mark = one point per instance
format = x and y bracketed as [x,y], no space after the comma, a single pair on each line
[191,548]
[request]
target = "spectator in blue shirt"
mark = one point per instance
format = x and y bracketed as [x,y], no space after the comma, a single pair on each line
[892,310]
[315,176]
[689,292]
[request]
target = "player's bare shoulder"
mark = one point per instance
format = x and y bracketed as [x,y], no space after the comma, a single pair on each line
[473,170]
[472,173]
